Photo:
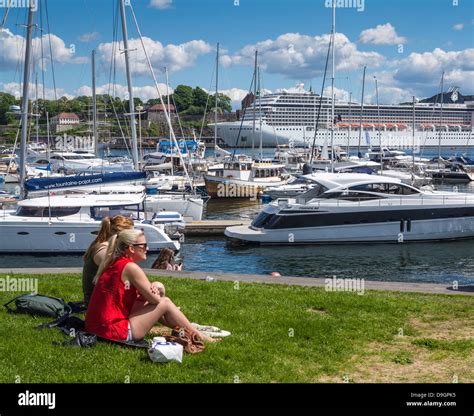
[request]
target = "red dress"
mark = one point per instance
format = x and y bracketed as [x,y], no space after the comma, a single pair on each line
[111,303]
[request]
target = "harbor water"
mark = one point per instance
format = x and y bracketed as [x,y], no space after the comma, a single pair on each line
[444,262]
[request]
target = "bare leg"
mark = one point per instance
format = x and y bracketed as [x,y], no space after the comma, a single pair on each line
[143,317]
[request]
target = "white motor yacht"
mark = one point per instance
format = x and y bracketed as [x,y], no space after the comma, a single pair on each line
[69,223]
[370,209]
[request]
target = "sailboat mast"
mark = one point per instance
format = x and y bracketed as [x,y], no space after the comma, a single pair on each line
[217,97]
[260,113]
[378,121]
[94,108]
[133,128]
[332,81]
[168,102]
[413,134]
[25,100]
[440,119]
[254,97]
[361,111]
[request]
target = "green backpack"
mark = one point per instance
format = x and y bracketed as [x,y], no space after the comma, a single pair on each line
[34,304]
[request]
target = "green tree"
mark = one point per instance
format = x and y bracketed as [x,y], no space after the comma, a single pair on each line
[200,98]
[183,97]
[6,100]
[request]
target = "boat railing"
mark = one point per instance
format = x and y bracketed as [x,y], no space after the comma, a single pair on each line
[387,202]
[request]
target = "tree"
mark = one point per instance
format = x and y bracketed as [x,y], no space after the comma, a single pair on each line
[183,97]
[224,103]
[6,100]
[200,98]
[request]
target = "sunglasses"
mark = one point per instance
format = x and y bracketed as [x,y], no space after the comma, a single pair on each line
[144,246]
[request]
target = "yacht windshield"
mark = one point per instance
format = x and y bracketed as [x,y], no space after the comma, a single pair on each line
[312,193]
[41,212]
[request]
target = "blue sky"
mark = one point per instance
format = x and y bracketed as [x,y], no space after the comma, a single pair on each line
[406,44]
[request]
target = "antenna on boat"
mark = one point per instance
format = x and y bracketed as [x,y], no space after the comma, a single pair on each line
[25,100]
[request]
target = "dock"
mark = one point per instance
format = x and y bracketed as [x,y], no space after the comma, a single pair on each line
[211,227]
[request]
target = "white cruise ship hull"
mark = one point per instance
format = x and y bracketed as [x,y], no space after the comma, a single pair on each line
[301,136]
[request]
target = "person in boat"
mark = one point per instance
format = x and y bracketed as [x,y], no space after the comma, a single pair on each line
[165,261]
[96,251]
[125,305]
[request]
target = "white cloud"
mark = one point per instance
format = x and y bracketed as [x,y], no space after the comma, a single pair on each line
[145,92]
[301,56]
[341,94]
[423,70]
[174,57]
[88,37]
[381,35]
[12,51]
[420,74]
[459,26]
[161,4]
[16,89]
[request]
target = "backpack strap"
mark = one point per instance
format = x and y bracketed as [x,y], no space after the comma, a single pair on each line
[54,323]
[8,303]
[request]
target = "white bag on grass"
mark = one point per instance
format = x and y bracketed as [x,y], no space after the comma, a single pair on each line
[162,351]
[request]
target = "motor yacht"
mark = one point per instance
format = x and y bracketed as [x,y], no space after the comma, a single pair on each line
[69,223]
[367,208]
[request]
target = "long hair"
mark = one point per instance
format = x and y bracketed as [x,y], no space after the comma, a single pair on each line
[109,227]
[165,256]
[118,243]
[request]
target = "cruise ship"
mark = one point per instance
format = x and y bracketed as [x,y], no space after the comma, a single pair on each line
[290,117]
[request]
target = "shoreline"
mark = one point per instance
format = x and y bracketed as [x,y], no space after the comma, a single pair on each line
[409,287]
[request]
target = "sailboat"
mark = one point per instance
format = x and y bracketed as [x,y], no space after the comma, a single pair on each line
[64,223]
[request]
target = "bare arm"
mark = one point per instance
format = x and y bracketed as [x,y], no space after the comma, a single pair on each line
[100,254]
[135,275]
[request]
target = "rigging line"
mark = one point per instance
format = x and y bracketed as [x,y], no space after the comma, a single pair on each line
[182,134]
[321,101]
[51,53]
[19,50]
[112,73]
[4,20]
[161,99]
[243,116]
[207,104]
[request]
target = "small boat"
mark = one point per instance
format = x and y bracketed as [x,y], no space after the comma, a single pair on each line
[244,178]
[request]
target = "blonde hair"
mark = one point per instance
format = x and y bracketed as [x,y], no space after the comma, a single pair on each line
[109,227]
[118,243]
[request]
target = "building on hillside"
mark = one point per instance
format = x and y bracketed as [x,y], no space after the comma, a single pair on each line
[64,122]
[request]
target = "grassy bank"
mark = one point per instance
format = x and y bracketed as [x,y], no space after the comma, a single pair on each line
[279,334]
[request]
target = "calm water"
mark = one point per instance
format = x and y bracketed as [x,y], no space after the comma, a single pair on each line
[429,262]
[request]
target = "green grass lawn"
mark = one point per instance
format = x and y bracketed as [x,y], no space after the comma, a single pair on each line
[279,334]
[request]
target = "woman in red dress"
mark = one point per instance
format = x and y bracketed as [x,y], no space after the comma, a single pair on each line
[125,305]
